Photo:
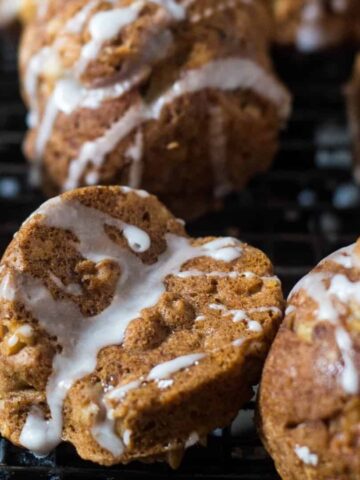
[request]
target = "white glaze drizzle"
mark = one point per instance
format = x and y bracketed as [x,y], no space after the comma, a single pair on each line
[231,275]
[240,315]
[47,59]
[166,369]
[192,440]
[139,287]
[120,393]
[7,288]
[34,69]
[49,54]
[164,384]
[106,25]
[307,457]
[198,273]
[160,374]
[138,240]
[104,432]
[225,74]
[224,249]
[68,92]
[25,331]
[139,193]
[78,21]
[127,437]
[238,342]
[340,289]
[344,257]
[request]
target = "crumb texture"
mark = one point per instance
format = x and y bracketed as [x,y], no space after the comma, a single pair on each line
[124,336]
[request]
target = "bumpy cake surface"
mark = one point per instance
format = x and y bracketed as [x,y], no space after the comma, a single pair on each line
[122,335]
[9,12]
[309,404]
[313,25]
[177,97]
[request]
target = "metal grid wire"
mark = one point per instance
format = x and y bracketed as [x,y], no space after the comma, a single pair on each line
[303,209]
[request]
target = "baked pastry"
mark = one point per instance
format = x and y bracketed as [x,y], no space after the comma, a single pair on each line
[122,335]
[313,25]
[177,97]
[309,402]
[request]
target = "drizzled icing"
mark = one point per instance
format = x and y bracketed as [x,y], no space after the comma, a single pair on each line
[232,275]
[78,21]
[69,94]
[139,286]
[328,289]
[159,374]
[243,315]
[306,456]
[225,74]
[105,26]
[166,369]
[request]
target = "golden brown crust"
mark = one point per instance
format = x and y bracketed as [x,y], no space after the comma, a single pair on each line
[309,402]
[198,399]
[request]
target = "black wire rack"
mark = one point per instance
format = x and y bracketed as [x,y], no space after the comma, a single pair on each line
[303,209]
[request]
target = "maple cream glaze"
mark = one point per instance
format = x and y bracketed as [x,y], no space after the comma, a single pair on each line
[138,282]
[317,416]
[59,86]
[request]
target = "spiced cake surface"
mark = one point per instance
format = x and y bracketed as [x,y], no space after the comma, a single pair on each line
[177,97]
[309,402]
[123,335]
